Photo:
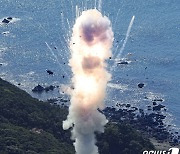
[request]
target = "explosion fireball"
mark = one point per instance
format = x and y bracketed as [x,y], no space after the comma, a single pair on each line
[90,46]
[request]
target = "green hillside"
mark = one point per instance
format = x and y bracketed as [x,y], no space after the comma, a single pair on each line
[31,126]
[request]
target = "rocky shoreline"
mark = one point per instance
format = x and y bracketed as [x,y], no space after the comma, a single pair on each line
[150,125]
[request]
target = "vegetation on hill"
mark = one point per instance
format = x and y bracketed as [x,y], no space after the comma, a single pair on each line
[30,126]
[122,139]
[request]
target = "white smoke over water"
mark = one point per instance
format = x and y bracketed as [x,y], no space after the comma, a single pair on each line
[90,46]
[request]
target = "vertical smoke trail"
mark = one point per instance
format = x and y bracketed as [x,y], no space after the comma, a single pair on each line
[90,46]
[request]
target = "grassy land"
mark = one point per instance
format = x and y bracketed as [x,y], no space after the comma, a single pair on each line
[31,126]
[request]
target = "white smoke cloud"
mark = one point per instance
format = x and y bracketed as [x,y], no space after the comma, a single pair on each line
[90,45]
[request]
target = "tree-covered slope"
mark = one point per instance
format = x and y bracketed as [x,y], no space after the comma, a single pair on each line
[28,125]
[31,126]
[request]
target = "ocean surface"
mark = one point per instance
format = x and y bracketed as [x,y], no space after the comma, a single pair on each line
[37,37]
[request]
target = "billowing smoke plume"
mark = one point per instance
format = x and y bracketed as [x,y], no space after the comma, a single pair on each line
[90,46]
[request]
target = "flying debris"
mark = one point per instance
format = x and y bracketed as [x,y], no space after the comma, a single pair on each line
[49,72]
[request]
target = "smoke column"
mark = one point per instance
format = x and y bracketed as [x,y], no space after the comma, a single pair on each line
[90,46]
